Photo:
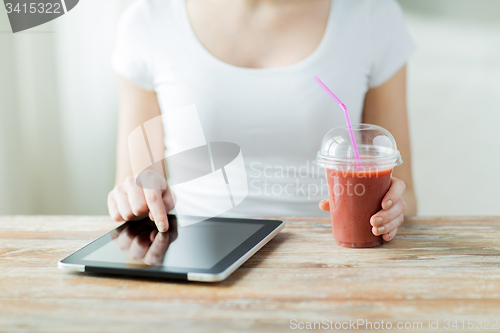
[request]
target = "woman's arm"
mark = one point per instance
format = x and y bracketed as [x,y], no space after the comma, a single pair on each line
[136,107]
[127,201]
[386,106]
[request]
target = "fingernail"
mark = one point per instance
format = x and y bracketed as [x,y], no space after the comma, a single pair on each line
[161,226]
[388,204]
[380,230]
[323,201]
[378,219]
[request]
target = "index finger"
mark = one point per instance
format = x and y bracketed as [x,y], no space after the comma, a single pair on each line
[157,208]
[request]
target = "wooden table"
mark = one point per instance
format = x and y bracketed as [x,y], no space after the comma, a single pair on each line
[436,269]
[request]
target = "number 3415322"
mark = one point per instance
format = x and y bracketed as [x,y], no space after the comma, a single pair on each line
[33,8]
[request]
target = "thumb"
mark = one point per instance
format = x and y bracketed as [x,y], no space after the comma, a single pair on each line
[324,205]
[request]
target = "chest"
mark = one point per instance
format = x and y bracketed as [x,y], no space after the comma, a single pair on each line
[262,35]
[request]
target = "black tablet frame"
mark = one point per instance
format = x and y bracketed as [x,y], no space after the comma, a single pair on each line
[268,227]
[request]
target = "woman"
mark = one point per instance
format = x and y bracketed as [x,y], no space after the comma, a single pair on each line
[248,67]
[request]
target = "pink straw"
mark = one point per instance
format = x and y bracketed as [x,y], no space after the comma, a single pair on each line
[346,114]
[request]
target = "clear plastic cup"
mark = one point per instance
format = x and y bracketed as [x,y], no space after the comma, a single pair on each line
[356,187]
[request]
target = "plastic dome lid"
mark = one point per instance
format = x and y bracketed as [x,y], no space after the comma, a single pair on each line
[376,147]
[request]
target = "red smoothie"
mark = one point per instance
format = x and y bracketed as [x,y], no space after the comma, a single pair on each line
[354,197]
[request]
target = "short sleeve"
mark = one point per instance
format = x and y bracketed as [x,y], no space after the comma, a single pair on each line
[131,57]
[390,42]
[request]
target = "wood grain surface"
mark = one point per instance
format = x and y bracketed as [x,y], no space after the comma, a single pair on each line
[437,269]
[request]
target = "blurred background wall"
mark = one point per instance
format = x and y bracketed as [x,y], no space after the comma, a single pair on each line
[454,105]
[58,112]
[58,109]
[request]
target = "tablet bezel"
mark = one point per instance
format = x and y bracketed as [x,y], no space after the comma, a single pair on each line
[218,272]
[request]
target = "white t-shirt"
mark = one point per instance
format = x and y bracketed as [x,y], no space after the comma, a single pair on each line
[277,116]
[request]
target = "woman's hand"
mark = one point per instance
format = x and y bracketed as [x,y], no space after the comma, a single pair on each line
[129,202]
[386,221]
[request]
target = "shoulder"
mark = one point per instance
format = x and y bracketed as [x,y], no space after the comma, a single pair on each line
[137,13]
[143,12]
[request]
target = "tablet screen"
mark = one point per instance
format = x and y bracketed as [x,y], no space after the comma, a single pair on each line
[201,245]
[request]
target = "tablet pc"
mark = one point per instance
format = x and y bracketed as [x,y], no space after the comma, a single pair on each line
[207,251]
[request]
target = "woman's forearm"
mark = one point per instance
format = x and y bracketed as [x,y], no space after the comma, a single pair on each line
[386,106]
[137,106]
[411,202]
